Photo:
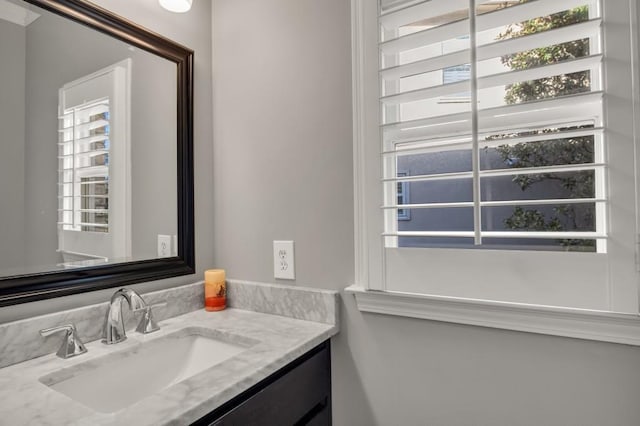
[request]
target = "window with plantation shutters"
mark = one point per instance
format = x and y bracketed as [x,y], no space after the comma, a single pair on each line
[511,125]
[93,167]
[84,167]
[521,164]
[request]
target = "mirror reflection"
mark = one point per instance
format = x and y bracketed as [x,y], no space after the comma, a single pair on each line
[87,146]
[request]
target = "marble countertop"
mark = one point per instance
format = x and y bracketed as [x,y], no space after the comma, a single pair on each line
[24,399]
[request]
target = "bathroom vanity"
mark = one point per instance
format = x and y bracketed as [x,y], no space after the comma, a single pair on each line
[236,366]
[298,394]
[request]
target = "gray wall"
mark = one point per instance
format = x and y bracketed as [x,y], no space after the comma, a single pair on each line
[12,139]
[282,138]
[75,51]
[192,30]
[282,145]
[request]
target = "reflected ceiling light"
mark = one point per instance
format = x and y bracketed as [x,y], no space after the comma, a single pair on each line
[179,6]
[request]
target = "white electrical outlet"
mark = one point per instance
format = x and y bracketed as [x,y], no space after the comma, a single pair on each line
[164,245]
[283,260]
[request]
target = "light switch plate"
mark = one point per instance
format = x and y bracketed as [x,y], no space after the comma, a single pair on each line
[283,260]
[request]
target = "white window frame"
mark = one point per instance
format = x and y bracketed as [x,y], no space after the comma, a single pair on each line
[369,288]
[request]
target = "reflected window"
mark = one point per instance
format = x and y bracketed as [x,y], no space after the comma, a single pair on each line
[94,166]
[84,167]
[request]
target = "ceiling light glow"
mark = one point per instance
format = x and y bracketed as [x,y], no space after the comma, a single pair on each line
[179,6]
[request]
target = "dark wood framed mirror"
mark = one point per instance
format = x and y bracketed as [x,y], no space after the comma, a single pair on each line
[56,282]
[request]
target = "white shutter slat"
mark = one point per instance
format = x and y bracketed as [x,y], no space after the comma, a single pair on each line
[82,196]
[547,112]
[425,37]
[524,12]
[545,202]
[94,170]
[433,177]
[85,210]
[92,125]
[424,146]
[439,126]
[453,234]
[428,146]
[94,182]
[535,73]
[540,137]
[89,125]
[498,172]
[542,169]
[502,79]
[467,204]
[427,8]
[428,93]
[546,38]
[427,65]
[502,203]
[89,154]
[547,235]
[95,225]
[86,140]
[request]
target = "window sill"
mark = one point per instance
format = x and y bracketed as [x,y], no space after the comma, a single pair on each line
[577,323]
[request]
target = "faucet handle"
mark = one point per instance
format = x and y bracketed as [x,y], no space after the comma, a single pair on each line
[71,345]
[147,324]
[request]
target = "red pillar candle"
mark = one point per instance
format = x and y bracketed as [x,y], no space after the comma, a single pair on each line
[215,290]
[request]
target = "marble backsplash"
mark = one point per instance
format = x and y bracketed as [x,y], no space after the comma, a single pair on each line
[308,304]
[21,340]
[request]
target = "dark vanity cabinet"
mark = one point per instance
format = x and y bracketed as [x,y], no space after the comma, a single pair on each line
[298,394]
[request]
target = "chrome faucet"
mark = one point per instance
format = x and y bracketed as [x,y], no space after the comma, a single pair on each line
[114,322]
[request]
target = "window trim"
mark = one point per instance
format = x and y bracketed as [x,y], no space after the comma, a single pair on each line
[576,323]
[369,267]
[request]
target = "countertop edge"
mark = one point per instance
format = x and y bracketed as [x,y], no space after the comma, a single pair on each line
[195,413]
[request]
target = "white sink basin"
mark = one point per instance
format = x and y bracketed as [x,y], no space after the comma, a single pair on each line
[117,380]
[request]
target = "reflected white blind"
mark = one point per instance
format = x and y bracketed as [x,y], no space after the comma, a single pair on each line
[492,116]
[83,167]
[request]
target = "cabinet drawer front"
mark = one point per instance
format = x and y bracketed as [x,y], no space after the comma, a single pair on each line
[300,395]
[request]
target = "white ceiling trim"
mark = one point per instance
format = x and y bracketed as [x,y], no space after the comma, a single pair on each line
[16,14]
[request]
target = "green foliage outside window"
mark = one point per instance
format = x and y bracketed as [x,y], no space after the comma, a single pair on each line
[561,151]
